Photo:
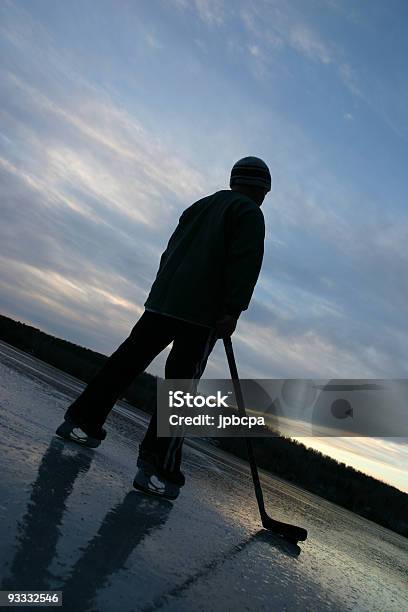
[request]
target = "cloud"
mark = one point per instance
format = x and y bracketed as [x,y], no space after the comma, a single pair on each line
[91,195]
[350,79]
[278,26]
[254,50]
[382,459]
[304,40]
[88,199]
[153,41]
[212,12]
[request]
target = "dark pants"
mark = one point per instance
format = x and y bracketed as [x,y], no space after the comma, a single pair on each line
[192,344]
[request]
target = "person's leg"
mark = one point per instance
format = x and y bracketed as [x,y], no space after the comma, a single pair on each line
[187,360]
[151,334]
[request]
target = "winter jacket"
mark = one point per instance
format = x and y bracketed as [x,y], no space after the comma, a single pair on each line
[212,260]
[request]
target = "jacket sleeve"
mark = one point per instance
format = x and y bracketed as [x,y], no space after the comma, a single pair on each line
[165,253]
[245,249]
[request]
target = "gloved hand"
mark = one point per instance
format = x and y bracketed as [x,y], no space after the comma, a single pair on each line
[225,326]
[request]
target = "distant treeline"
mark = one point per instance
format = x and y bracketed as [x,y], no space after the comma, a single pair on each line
[286,458]
[73,359]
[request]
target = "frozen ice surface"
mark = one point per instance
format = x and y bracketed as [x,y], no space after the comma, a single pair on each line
[70,521]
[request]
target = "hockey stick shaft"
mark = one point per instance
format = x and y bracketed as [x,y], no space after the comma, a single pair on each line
[241,409]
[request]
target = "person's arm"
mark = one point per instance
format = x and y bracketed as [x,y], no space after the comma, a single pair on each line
[165,253]
[245,250]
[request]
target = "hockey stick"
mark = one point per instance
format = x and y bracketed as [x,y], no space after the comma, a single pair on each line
[291,532]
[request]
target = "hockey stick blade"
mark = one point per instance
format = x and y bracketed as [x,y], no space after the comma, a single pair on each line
[290,532]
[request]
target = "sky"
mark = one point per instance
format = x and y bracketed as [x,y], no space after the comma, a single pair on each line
[117,115]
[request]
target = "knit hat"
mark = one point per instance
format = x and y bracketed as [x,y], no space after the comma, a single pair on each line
[251,171]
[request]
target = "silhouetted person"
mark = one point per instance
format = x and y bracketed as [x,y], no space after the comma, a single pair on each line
[206,278]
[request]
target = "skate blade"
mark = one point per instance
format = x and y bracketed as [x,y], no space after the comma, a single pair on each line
[154,486]
[75,434]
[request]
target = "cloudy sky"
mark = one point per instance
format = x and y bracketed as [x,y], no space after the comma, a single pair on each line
[116,115]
